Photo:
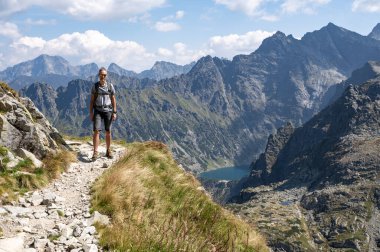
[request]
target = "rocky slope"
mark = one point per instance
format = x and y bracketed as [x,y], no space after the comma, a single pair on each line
[24,127]
[317,187]
[222,111]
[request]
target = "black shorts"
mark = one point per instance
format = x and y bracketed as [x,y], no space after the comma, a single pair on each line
[105,116]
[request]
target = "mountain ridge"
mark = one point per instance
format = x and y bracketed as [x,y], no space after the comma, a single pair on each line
[222,111]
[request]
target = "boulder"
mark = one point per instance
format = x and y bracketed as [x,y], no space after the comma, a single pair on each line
[13,244]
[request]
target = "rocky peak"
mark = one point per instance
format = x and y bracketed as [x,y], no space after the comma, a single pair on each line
[120,71]
[375,33]
[277,42]
[369,71]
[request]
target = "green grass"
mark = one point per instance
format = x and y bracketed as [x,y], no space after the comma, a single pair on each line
[25,176]
[155,206]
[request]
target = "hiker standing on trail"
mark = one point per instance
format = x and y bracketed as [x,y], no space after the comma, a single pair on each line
[102,107]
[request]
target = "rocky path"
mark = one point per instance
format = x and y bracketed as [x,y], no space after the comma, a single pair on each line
[58,218]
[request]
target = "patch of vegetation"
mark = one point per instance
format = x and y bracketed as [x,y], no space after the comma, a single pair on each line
[8,88]
[155,206]
[53,237]
[3,151]
[60,213]
[25,176]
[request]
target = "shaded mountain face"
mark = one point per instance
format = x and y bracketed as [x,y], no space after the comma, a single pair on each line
[375,33]
[160,70]
[323,176]
[221,112]
[51,69]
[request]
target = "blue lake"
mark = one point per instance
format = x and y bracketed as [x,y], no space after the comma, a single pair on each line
[226,173]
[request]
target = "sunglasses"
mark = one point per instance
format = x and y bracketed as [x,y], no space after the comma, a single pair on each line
[103,75]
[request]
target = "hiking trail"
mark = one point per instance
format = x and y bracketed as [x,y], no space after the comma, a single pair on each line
[57,217]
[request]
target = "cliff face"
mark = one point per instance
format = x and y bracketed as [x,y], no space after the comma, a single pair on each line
[322,178]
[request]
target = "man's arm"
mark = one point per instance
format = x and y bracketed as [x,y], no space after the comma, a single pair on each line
[114,110]
[92,107]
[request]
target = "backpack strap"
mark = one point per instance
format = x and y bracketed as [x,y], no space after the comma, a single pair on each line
[96,91]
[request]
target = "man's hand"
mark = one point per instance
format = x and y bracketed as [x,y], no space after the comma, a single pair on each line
[113,116]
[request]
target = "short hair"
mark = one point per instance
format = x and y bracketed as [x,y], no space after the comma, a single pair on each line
[102,69]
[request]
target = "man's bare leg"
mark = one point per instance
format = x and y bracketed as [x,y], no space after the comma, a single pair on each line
[95,141]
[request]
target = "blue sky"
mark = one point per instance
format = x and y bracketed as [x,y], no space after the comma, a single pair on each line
[136,33]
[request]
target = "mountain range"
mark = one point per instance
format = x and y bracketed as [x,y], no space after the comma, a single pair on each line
[57,71]
[221,112]
[316,187]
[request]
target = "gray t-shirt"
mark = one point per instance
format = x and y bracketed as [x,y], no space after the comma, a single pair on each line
[103,101]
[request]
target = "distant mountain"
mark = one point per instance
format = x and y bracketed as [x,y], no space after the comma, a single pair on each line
[323,176]
[221,112]
[162,70]
[57,71]
[159,71]
[54,70]
[375,33]
[120,71]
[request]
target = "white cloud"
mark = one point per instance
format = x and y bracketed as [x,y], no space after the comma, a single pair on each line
[94,46]
[30,21]
[179,14]
[305,6]
[9,30]
[249,7]
[83,48]
[181,54]
[166,53]
[166,26]
[84,9]
[233,44]
[366,5]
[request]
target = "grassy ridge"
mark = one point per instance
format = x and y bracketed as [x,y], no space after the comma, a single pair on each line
[156,206]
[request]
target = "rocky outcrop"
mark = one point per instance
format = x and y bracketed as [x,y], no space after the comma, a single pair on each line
[325,178]
[22,125]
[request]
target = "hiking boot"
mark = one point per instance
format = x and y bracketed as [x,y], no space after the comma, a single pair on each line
[95,156]
[109,154]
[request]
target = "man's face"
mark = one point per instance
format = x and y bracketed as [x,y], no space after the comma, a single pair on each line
[102,75]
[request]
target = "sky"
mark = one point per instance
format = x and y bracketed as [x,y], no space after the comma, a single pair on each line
[136,33]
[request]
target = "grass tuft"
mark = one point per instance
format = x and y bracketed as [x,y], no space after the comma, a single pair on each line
[155,206]
[9,89]
[25,176]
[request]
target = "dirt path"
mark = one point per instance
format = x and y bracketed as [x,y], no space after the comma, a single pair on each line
[57,218]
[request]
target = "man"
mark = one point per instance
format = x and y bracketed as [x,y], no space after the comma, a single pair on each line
[102,108]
